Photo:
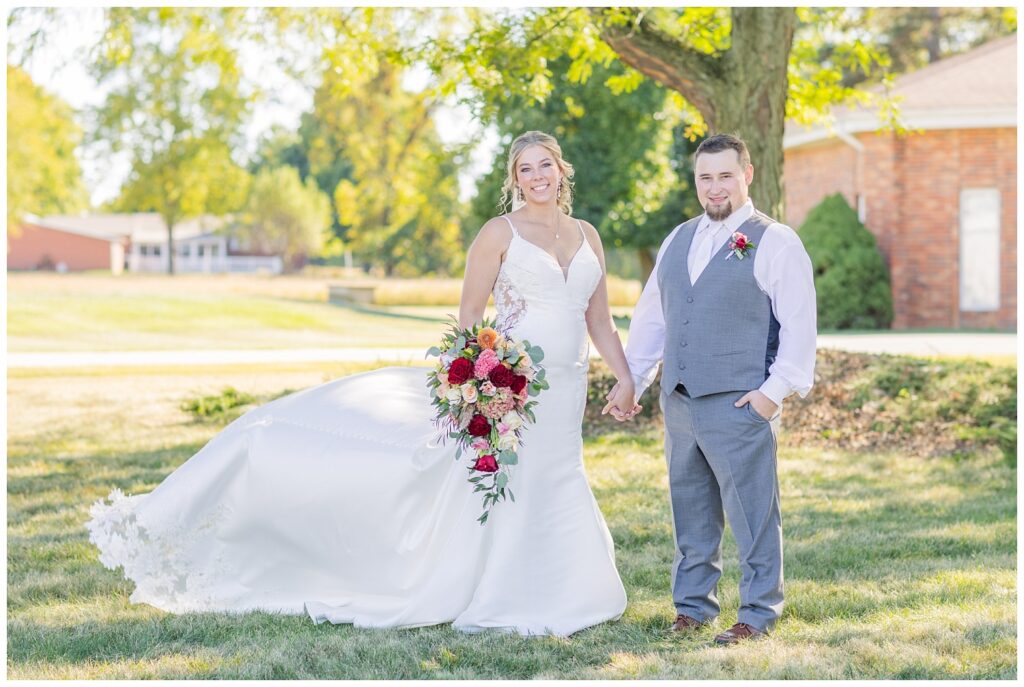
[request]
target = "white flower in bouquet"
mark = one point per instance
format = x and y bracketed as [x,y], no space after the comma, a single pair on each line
[442,391]
[454,396]
[512,420]
[508,442]
[469,392]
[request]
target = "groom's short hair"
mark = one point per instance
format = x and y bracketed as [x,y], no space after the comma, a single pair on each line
[720,142]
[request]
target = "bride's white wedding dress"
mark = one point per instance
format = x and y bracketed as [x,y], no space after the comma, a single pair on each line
[341,502]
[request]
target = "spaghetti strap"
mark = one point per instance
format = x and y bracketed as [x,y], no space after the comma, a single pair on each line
[511,226]
[582,234]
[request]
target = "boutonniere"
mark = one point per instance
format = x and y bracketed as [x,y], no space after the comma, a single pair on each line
[739,245]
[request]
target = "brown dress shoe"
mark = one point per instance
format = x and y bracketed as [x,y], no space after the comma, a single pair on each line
[685,623]
[737,633]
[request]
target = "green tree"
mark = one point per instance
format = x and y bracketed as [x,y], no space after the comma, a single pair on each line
[400,204]
[284,215]
[741,69]
[913,37]
[316,153]
[850,277]
[628,186]
[176,105]
[43,174]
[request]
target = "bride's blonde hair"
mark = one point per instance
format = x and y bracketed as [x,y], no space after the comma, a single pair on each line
[537,138]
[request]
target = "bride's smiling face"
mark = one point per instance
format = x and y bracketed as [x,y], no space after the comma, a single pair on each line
[537,174]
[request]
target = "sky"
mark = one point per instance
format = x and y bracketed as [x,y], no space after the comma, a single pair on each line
[59,67]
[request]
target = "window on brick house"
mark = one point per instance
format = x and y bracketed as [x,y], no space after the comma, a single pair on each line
[979,249]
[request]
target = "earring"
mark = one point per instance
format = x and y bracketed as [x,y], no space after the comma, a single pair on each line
[558,191]
[519,194]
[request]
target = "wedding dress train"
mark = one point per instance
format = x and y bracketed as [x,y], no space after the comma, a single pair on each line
[341,502]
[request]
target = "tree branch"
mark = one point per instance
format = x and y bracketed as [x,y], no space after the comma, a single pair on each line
[665,59]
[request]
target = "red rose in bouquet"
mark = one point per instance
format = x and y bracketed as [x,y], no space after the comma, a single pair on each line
[518,384]
[479,426]
[502,376]
[486,464]
[460,371]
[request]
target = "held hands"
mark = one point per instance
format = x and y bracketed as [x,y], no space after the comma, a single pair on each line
[762,405]
[622,395]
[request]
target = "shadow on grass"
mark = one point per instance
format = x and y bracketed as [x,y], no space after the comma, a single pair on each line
[900,553]
[380,312]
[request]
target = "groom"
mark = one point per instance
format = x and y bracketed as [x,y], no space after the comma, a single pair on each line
[730,310]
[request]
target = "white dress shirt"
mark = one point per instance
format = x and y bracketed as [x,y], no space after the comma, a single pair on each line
[782,270]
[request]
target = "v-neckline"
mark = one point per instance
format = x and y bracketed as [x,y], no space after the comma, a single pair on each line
[564,270]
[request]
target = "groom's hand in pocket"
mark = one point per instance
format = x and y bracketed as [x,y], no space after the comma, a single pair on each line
[762,405]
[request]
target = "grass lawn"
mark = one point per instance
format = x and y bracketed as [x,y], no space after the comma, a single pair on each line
[49,313]
[896,567]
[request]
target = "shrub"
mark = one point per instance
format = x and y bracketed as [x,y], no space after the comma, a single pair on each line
[218,408]
[866,402]
[850,275]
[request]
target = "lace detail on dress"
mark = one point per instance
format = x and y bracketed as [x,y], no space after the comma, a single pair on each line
[509,302]
[164,574]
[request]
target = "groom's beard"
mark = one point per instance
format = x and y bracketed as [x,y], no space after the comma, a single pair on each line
[720,212]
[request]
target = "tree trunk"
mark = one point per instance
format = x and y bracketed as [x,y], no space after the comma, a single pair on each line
[935,32]
[646,264]
[170,247]
[752,98]
[741,90]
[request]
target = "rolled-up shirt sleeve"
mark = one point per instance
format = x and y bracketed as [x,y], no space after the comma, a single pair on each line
[788,279]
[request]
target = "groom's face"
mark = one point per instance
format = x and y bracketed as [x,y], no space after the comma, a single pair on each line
[721,182]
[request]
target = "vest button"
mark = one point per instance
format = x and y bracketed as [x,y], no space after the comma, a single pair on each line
[682,367]
[686,322]
[689,299]
[683,344]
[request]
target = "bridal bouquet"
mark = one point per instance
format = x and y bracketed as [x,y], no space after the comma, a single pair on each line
[480,388]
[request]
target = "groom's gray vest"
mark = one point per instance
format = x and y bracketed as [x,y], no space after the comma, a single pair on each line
[720,333]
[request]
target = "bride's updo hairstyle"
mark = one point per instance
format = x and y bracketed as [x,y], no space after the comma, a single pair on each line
[524,141]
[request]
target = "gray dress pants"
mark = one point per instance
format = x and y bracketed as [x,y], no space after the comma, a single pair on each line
[722,456]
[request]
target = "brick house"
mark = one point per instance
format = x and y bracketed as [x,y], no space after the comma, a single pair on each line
[41,245]
[134,242]
[942,200]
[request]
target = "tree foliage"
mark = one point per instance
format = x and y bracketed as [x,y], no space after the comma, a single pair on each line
[732,69]
[400,204]
[850,277]
[43,174]
[631,181]
[912,37]
[176,106]
[284,215]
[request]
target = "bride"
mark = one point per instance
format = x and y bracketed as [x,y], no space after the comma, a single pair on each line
[340,501]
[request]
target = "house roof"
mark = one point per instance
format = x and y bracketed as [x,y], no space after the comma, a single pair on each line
[976,89]
[137,227]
